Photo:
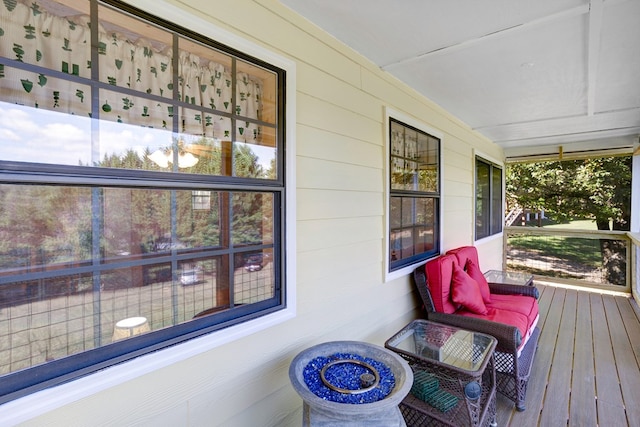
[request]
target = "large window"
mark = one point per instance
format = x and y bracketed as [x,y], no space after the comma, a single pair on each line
[414,201]
[489,201]
[141,188]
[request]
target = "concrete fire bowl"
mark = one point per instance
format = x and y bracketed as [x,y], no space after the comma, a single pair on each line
[320,412]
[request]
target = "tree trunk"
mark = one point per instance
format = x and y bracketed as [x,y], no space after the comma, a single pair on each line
[614,256]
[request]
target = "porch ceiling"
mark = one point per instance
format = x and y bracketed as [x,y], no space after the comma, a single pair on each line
[529,75]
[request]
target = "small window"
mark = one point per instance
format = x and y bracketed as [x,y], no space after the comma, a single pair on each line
[142,195]
[489,199]
[414,202]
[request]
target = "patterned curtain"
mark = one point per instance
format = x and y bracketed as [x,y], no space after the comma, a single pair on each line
[33,35]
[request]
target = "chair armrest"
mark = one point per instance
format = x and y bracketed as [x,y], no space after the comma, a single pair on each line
[509,289]
[509,337]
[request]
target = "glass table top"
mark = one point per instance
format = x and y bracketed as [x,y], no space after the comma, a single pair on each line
[509,277]
[447,345]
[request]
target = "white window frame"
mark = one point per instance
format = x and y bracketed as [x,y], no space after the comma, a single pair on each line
[41,402]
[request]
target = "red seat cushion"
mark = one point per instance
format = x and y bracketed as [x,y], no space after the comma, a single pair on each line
[466,292]
[439,274]
[507,317]
[522,304]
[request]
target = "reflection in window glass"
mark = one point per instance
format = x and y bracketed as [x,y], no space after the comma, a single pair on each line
[141,188]
[254,161]
[168,230]
[252,221]
[496,201]
[488,206]
[34,135]
[415,234]
[414,163]
[211,95]
[483,205]
[395,212]
[64,222]
[414,159]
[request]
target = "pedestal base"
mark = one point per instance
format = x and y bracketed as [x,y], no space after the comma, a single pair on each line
[314,418]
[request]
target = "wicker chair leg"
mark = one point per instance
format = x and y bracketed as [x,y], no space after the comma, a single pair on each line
[522,394]
[513,374]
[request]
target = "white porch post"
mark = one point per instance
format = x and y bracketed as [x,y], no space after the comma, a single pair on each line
[635,221]
[635,189]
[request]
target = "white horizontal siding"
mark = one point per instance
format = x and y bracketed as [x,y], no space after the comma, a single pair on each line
[323,144]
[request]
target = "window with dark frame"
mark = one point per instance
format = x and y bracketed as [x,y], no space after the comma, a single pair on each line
[489,201]
[414,200]
[141,188]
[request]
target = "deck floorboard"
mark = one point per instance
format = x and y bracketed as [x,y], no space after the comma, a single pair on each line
[556,410]
[608,394]
[551,302]
[626,363]
[587,367]
[583,389]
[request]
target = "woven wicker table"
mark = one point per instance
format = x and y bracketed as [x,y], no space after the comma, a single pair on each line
[509,277]
[454,375]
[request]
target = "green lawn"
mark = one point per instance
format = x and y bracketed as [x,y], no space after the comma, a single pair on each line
[573,249]
[578,224]
[583,224]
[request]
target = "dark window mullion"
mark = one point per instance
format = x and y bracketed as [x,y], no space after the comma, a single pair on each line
[234,102]
[491,190]
[97,194]
[232,252]
[97,222]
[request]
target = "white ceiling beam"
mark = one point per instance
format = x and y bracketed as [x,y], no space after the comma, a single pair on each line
[593,52]
[619,119]
[603,137]
[599,147]
[575,11]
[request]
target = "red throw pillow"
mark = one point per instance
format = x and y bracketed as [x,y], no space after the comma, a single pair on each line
[466,292]
[474,271]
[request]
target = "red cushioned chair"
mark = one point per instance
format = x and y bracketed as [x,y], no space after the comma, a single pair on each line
[455,292]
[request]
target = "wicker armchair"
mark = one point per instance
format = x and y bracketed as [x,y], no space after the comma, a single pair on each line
[515,351]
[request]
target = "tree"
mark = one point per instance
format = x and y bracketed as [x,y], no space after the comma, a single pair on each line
[607,182]
[597,189]
[55,224]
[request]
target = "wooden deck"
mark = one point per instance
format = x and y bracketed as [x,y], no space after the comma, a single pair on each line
[586,371]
